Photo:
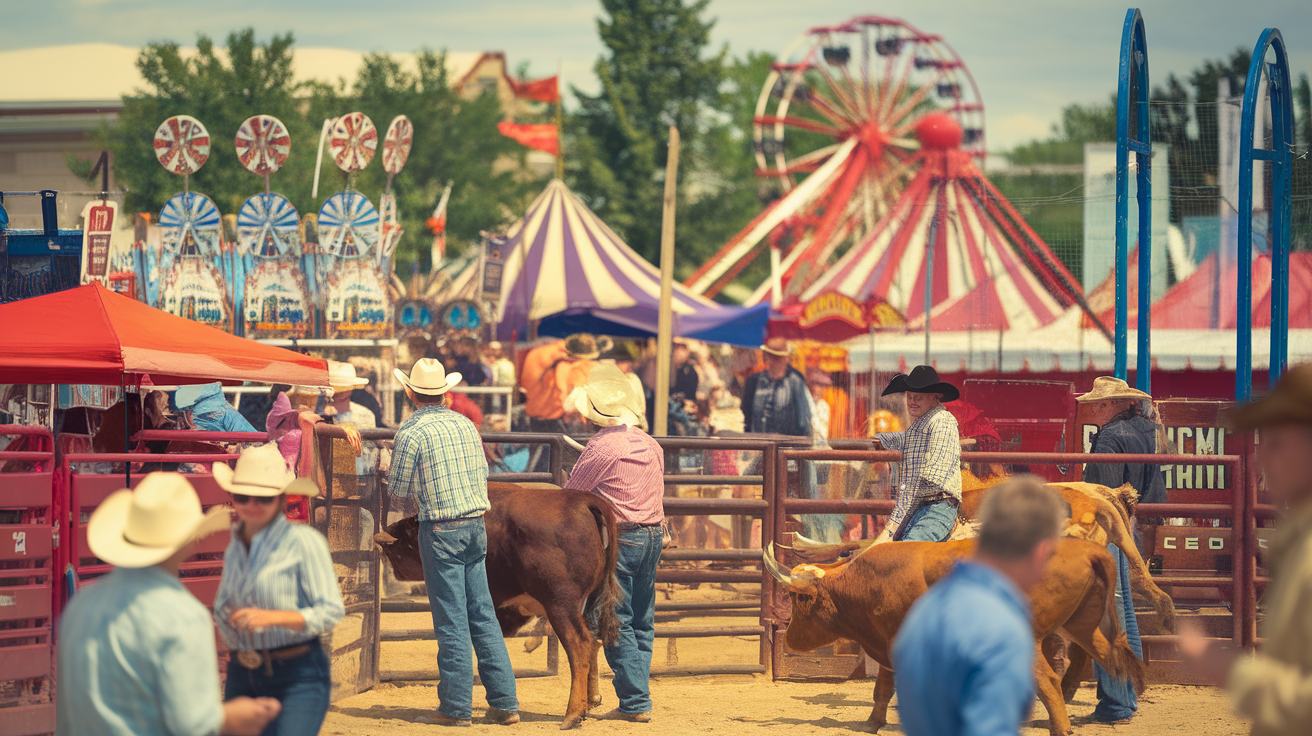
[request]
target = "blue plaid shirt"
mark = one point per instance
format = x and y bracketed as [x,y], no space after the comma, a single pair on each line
[438,456]
[931,461]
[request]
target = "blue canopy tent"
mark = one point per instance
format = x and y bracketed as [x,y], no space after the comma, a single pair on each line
[565,268]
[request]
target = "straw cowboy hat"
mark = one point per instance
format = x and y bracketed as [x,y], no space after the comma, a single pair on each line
[922,379]
[428,377]
[149,525]
[611,398]
[587,347]
[776,346]
[342,376]
[262,471]
[1289,403]
[1106,388]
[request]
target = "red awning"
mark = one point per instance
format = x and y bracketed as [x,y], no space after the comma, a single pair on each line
[92,335]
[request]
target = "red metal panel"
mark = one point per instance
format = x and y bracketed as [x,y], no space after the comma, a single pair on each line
[92,489]
[25,542]
[18,663]
[24,601]
[25,490]
[28,720]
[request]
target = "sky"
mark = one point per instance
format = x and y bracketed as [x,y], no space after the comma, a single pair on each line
[1030,58]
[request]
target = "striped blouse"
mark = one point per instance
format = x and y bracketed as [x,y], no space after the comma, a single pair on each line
[287,568]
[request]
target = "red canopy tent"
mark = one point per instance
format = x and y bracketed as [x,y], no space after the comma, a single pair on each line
[92,335]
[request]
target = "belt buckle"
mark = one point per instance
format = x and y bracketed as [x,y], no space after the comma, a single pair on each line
[249,659]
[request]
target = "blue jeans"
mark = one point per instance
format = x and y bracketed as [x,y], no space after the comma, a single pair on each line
[630,656]
[931,522]
[302,684]
[1116,698]
[454,554]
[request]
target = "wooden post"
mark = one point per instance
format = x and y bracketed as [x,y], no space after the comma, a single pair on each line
[665,324]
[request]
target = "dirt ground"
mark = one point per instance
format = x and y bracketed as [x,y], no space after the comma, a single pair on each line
[721,704]
[743,704]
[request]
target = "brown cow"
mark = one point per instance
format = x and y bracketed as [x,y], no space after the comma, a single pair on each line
[865,600]
[550,552]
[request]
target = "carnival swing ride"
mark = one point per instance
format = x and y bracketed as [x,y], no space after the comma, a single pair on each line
[873,132]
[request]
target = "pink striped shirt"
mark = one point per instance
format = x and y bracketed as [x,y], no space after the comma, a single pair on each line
[626,467]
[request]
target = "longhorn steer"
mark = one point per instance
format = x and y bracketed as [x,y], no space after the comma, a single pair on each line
[550,552]
[865,600]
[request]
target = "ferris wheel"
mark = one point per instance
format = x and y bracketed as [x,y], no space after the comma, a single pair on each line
[871,79]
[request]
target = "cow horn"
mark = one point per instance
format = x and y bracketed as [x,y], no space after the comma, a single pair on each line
[384,538]
[776,570]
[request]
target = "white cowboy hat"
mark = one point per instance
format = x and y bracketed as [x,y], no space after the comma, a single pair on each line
[262,471]
[611,398]
[149,525]
[428,377]
[342,375]
[776,346]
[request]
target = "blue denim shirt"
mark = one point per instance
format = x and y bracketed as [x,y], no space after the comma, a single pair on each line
[964,657]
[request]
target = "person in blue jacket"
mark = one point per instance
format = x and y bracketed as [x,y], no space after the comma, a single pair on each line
[210,411]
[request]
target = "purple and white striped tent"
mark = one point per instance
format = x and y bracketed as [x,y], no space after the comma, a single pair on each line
[566,268]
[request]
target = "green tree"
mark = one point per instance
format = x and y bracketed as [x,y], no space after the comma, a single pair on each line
[653,75]
[454,139]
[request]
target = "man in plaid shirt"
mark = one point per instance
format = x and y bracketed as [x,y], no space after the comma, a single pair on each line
[929,477]
[438,456]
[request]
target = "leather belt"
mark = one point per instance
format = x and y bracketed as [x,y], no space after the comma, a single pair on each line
[253,659]
[628,527]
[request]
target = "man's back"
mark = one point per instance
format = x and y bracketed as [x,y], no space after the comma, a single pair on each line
[964,657]
[438,456]
[1134,435]
[544,398]
[136,656]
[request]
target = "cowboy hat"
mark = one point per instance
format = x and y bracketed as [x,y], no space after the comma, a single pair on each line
[149,525]
[262,471]
[428,377]
[342,376]
[1106,388]
[776,346]
[587,347]
[1289,403]
[923,379]
[611,398]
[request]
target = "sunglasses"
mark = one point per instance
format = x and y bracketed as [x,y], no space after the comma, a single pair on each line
[242,499]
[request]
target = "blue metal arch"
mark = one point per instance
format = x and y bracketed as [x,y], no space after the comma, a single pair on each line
[1134,67]
[1280,95]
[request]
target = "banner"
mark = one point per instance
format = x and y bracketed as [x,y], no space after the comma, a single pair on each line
[494,259]
[538,90]
[540,137]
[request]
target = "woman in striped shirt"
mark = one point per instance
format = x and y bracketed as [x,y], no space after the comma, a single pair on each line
[278,594]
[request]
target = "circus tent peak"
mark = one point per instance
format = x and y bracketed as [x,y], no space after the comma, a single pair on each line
[568,270]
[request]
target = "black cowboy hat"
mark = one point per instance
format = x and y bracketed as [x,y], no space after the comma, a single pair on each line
[923,379]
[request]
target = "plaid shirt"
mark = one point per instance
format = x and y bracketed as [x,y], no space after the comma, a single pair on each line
[625,466]
[438,456]
[931,461]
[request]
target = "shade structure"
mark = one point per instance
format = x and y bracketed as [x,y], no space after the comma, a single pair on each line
[566,268]
[951,232]
[92,335]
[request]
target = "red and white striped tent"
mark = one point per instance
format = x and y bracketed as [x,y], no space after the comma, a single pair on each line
[952,230]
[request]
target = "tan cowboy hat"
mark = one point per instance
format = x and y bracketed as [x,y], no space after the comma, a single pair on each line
[342,376]
[1106,388]
[262,471]
[587,347]
[776,346]
[428,377]
[149,525]
[611,398]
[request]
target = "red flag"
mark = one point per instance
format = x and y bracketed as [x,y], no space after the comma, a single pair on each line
[538,90]
[540,137]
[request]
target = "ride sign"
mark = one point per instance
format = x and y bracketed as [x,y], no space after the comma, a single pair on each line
[98,224]
[832,305]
